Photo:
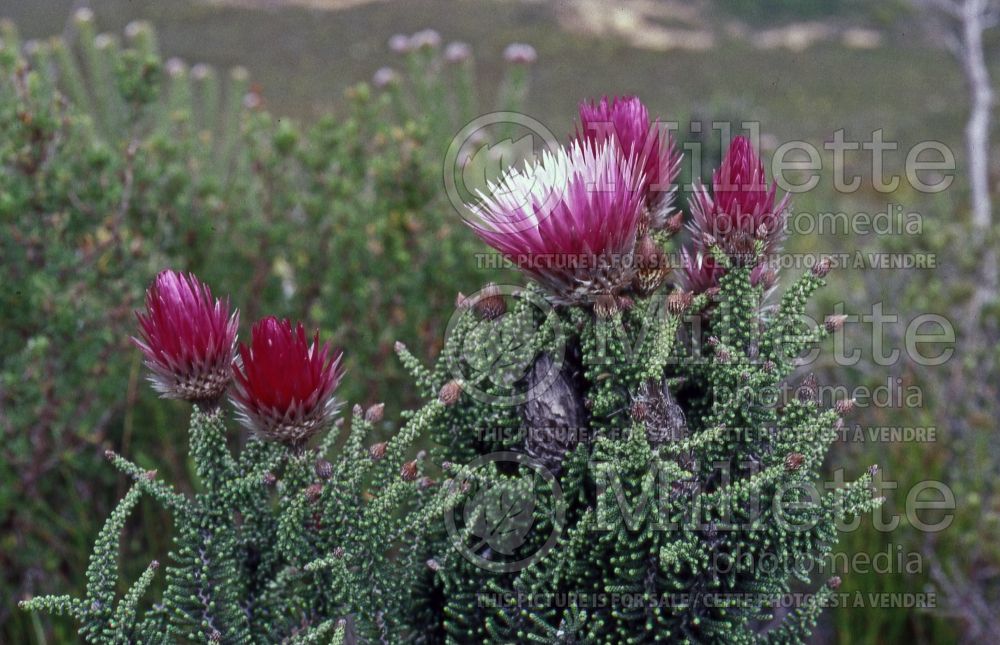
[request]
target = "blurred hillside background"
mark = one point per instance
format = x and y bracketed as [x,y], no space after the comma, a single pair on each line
[245,140]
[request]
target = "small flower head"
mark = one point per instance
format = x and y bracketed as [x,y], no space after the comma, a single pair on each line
[285,384]
[425,39]
[458,52]
[400,43]
[570,220]
[384,77]
[520,54]
[187,338]
[741,208]
[626,121]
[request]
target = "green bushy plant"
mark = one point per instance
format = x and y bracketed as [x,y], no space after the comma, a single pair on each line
[613,465]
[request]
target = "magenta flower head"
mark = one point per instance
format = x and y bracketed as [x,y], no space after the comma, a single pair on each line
[187,338]
[569,220]
[741,208]
[284,383]
[626,121]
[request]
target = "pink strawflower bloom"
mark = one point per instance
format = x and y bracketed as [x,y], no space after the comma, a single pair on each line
[188,339]
[741,208]
[284,384]
[626,120]
[569,220]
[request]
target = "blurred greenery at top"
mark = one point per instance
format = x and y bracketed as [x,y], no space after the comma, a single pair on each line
[267,163]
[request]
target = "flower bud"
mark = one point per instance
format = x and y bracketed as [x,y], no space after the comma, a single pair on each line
[834,323]
[491,304]
[375,413]
[425,39]
[822,267]
[808,390]
[844,406]
[794,461]
[679,301]
[450,393]
[324,469]
[400,43]
[377,450]
[285,384]
[653,266]
[408,472]
[605,307]
[313,493]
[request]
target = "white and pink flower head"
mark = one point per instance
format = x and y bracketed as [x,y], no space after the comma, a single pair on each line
[187,338]
[284,384]
[625,120]
[569,220]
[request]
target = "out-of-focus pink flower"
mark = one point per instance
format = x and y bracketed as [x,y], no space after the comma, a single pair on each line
[284,385]
[569,221]
[187,338]
[626,120]
[400,43]
[520,54]
[384,77]
[457,52]
[426,38]
[741,207]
